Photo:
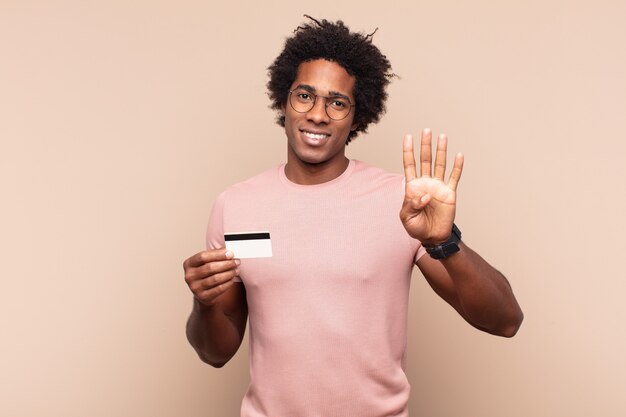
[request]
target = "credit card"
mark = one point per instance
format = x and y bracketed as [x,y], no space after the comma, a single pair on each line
[249,244]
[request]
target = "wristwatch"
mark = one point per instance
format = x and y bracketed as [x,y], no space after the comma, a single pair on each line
[447,248]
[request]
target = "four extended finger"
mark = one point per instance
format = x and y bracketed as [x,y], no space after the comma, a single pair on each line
[457,169]
[408,158]
[426,153]
[440,157]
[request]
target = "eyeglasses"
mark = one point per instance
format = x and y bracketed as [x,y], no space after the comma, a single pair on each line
[302,101]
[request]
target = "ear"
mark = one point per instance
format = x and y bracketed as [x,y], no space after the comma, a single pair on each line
[354,127]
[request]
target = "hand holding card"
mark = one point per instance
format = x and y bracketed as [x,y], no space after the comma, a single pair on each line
[249,244]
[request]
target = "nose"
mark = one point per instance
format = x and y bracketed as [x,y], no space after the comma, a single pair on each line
[318,114]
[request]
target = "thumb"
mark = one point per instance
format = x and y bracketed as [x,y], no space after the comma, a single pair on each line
[419,203]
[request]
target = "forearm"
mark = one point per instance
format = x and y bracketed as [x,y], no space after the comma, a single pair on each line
[484,294]
[212,334]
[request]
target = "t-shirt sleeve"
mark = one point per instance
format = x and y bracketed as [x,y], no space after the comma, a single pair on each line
[416,245]
[215,228]
[420,252]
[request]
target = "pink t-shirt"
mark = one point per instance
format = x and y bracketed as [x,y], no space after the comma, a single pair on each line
[328,311]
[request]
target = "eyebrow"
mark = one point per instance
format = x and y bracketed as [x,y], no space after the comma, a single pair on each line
[312,89]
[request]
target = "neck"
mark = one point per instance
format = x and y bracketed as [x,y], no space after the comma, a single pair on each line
[300,172]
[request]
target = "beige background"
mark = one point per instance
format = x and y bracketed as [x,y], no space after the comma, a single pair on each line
[121,121]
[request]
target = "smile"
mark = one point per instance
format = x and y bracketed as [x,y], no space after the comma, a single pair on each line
[316,136]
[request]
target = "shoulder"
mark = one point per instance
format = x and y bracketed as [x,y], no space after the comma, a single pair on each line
[377,178]
[261,182]
[370,171]
[266,177]
[244,197]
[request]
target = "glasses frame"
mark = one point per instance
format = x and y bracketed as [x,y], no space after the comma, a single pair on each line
[315,96]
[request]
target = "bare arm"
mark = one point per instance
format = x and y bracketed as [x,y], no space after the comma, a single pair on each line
[217,322]
[480,293]
[476,290]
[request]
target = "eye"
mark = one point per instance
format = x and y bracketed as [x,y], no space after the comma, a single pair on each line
[304,96]
[339,104]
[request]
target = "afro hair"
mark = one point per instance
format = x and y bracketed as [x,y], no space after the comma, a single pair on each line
[334,42]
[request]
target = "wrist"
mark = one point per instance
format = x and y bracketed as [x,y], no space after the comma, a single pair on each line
[431,243]
[442,250]
[203,309]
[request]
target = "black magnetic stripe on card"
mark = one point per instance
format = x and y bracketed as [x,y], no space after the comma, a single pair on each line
[246,236]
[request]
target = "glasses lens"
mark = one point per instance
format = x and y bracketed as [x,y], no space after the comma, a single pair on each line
[337,108]
[301,100]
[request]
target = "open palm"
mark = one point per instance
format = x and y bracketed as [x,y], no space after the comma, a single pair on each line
[429,204]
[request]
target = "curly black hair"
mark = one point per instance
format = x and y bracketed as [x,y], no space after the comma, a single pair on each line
[334,42]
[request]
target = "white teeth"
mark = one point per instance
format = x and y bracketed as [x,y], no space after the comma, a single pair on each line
[315,135]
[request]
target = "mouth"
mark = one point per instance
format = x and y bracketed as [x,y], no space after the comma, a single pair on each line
[314,138]
[314,135]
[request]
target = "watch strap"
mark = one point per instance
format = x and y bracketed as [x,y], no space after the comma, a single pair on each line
[447,248]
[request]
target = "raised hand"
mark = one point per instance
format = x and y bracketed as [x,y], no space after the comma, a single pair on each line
[429,203]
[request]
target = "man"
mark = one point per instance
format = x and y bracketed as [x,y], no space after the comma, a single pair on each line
[328,309]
